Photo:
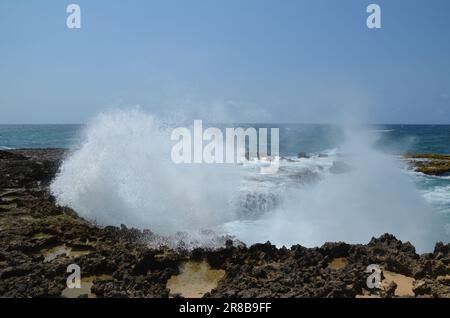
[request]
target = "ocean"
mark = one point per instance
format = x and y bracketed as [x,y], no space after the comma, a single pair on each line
[304,203]
[395,139]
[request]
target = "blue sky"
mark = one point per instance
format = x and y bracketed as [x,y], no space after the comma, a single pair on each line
[251,60]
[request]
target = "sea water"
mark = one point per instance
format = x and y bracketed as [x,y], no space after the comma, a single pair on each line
[119,174]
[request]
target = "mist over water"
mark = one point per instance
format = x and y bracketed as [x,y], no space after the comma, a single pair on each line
[372,197]
[122,173]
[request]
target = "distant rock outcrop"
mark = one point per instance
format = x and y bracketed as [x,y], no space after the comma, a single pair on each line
[431,164]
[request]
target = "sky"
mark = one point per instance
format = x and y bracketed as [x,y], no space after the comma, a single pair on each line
[302,61]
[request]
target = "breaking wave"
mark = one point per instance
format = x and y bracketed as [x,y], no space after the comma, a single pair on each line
[122,173]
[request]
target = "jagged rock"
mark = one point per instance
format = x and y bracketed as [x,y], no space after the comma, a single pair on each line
[126,265]
[302,155]
[431,164]
[335,250]
[390,290]
[441,248]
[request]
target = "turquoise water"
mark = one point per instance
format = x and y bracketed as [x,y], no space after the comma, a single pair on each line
[38,136]
[415,138]
[395,139]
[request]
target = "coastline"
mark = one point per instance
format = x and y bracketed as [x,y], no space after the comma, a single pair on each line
[39,240]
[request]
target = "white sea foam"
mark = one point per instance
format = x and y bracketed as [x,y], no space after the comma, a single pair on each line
[122,174]
[375,197]
[439,195]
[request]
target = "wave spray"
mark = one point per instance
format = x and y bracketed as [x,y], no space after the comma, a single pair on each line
[122,173]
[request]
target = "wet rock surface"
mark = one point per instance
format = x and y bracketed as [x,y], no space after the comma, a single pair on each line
[431,164]
[39,240]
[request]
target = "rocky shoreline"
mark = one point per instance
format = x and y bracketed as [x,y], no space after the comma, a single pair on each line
[430,164]
[39,240]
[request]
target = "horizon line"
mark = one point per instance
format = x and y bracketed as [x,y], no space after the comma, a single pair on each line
[246,123]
